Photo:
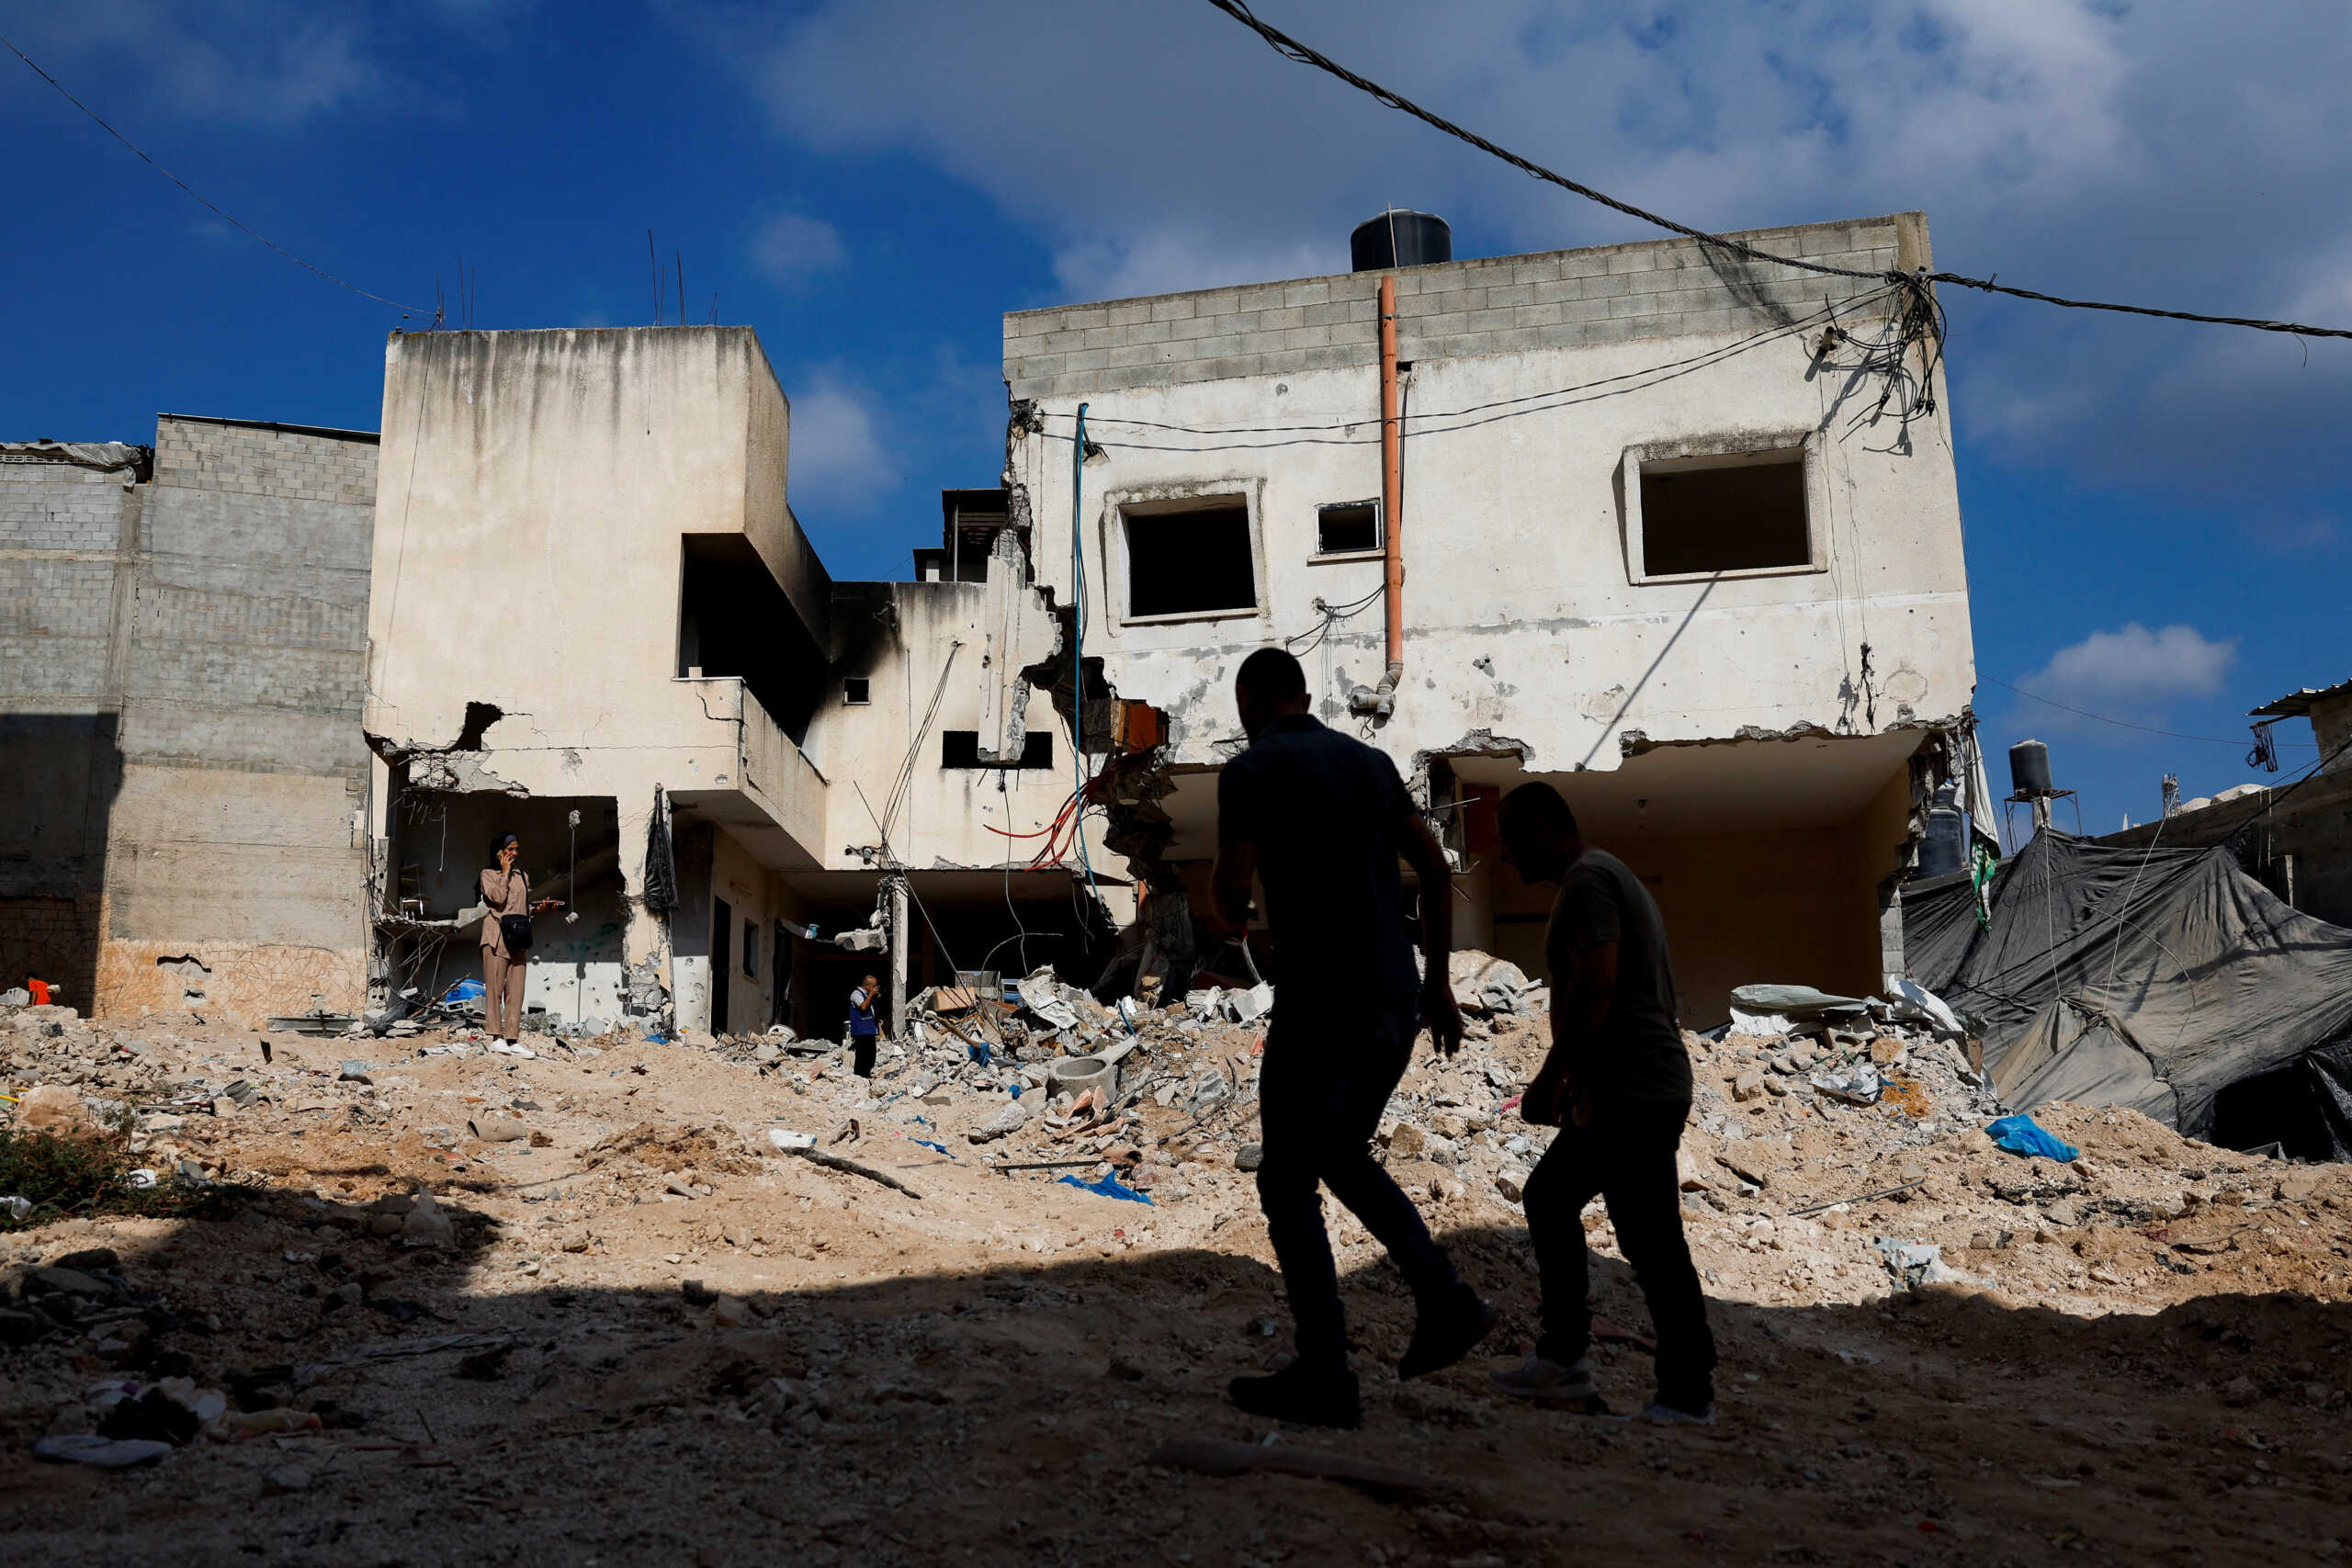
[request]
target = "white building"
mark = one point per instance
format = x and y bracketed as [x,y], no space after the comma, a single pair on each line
[593,609]
[1678,533]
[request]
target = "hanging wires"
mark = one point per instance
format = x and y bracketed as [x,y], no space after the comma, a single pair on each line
[1446,420]
[208,203]
[1332,614]
[1291,49]
[1077,646]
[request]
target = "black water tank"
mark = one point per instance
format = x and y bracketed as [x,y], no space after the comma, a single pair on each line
[1420,238]
[2030,768]
[1945,850]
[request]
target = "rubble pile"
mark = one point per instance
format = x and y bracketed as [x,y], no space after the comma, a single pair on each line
[647,1251]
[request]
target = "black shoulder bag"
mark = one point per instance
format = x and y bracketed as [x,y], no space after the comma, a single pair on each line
[515,930]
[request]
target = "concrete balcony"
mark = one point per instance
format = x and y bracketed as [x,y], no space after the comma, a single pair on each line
[772,800]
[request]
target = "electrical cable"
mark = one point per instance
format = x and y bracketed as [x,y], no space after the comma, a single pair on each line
[216,211]
[1778,330]
[1562,397]
[1078,640]
[2120,723]
[1292,49]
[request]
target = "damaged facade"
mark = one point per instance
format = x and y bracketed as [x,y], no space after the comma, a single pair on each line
[1679,534]
[182,630]
[592,600]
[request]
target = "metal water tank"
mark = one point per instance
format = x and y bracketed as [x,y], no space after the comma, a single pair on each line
[2030,768]
[1945,849]
[1400,238]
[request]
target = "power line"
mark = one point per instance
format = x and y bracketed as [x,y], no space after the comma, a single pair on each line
[2119,722]
[1426,422]
[224,216]
[1561,397]
[1291,49]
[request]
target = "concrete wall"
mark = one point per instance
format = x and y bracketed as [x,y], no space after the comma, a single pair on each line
[237,836]
[192,653]
[539,491]
[1524,619]
[66,518]
[1537,389]
[963,645]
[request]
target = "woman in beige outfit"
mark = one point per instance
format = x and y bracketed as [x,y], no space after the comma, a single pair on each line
[507,891]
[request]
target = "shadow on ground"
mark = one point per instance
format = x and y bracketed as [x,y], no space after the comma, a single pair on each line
[1005,1415]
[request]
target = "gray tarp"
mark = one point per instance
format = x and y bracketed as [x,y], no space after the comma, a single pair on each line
[2148,977]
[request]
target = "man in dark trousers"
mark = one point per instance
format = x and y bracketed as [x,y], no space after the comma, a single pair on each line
[1617,1085]
[864,1024]
[1320,820]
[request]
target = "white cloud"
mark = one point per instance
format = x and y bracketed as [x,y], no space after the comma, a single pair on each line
[2083,147]
[790,248]
[839,456]
[257,62]
[2133,672]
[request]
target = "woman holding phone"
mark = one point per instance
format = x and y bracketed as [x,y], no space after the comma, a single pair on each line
[506,937]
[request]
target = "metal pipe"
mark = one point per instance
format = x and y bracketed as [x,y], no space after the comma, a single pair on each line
[1392,484]
[1381,700]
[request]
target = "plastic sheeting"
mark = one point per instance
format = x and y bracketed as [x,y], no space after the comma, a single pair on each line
[2150,978]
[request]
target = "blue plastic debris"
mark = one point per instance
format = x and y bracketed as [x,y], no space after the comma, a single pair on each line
[464,991]
[2023,1136]
[927,1143]
[657,1040]
[1109,1186]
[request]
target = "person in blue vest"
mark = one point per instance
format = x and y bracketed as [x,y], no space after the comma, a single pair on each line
[865,1023]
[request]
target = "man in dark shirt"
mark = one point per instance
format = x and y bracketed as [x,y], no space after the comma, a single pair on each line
[1320,820]
[1617,1085]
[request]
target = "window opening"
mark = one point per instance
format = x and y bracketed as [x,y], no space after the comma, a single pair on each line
[856,690]
[961,749]
[1741,517]
[750,951]
[1192,562]
[1349,528]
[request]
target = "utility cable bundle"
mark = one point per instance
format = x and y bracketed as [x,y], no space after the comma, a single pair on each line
[1291,49]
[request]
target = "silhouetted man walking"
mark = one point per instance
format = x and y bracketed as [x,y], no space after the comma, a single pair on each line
[1617,1085]
[1320,820]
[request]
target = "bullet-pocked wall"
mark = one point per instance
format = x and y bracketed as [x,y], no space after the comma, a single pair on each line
[1644,502]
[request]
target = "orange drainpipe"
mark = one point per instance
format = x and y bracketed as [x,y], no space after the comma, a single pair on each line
[1392,485]
[1381,700]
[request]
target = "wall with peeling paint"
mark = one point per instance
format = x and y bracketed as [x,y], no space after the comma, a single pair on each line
[1522,616]
[538,490]
[1532,639]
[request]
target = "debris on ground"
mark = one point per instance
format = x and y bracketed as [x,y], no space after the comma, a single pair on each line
[670,1292]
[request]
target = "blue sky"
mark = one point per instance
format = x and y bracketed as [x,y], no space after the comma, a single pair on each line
[2156,512]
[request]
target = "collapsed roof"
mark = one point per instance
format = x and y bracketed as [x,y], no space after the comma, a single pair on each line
[2165,980]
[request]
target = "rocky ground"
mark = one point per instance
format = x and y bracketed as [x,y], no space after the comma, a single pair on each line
[637,1330]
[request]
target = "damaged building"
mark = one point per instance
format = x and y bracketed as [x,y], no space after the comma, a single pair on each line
[182,640]
[597,623]
[1674,530]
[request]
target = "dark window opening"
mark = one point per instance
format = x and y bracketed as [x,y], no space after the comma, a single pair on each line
[750,951]
[1190,563]
[856,690]
[734,620]
[961,749]
[1747,517]
[1347,529]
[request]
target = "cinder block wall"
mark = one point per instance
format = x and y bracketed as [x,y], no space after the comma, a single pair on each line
[1496,305]
[62,526]
[231,839]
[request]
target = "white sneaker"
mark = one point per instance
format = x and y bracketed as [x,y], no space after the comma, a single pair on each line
[1667,1415]
[1540,1382]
